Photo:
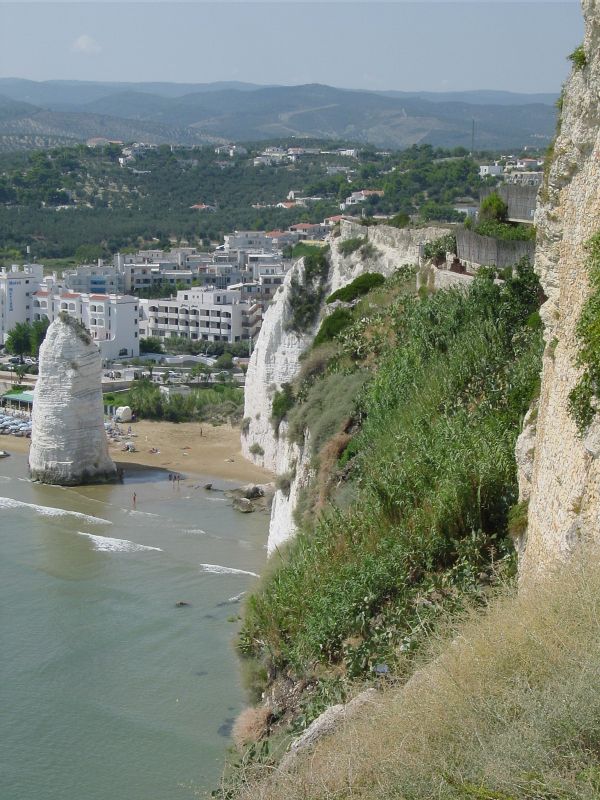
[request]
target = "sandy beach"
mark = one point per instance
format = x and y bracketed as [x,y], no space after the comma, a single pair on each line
[215,453]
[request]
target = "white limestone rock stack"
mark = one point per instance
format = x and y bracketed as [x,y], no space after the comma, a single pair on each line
[68,441]
[563,480]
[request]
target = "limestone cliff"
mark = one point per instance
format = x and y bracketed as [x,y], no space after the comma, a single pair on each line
[391,248]
[564,482]
[68,441]
[276,360]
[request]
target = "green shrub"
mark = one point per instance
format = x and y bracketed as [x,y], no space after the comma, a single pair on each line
[151,344]
[517,519]
[436,250]
[306,296]
[578,58]
[586,393]
[400,220]
[368,250]
[219,403]
[505,231]
[333,324]
[256,449]
[358,287]
[283,401]
[349,246]
[493,209]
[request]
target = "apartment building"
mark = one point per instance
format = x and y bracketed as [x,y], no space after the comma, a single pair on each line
[17,288]
[111,319]
[219,315]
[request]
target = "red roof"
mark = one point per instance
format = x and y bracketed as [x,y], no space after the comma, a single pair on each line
[70,295]
[304,226]
[40,293]
[98,296]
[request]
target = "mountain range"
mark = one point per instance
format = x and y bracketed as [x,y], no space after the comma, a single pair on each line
[52,112]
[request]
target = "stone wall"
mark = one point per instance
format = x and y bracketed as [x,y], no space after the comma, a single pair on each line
[474,250]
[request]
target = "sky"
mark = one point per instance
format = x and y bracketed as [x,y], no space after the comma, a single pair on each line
[433,46]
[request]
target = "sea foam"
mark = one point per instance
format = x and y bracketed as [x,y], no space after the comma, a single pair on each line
[105,544]
[217,569]
[49,511]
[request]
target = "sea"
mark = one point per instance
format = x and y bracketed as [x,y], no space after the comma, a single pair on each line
[110,690]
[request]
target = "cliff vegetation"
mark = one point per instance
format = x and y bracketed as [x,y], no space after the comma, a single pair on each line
[413,407]
[505,707]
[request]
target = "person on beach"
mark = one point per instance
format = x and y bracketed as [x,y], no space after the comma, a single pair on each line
[134,499]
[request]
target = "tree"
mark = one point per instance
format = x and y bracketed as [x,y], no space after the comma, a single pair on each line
[224,361]
[493,208]
[151,344]
[20,371]
[37,334]
[18,341]
[89,253]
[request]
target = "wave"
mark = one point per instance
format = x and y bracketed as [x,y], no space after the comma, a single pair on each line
[196,531]
[105,544]
[142,514]
[50,511]
[217,569]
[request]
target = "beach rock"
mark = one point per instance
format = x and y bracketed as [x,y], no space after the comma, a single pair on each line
[253,493]
[243,505]
[68,441]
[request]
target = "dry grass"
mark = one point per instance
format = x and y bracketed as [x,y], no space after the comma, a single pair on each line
[251,725]
[328,459]
[507,708]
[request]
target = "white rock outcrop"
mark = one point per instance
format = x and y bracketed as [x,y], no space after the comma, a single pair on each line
[68,441]
[392,248]
[274,361]
[564,504]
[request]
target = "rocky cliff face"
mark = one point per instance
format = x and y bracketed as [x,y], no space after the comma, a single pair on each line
[68,442]
[392,248]
[564,468]
[276,360]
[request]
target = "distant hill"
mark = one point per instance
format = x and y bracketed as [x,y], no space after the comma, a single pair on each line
[197,113]
[480,97]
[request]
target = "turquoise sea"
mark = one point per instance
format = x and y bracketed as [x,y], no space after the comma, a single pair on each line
[108,690]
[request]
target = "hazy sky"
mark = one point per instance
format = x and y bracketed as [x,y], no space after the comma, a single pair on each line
[435,46]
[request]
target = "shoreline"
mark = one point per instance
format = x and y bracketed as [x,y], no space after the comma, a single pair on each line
[181,449]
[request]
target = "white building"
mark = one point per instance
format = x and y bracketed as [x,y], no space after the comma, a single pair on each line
[247,240]
[95,279]
[111,319]
[16,296]
[494,170]
[217,315]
